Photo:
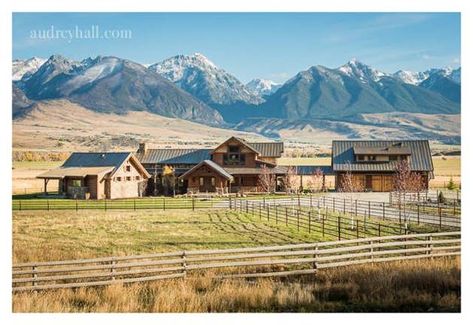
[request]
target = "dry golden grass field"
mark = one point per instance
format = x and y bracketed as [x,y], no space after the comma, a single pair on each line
[408,286]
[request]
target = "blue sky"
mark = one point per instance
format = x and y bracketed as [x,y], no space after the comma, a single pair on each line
[254,45]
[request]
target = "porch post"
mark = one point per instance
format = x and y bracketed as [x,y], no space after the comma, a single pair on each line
[323,183]
[46,186]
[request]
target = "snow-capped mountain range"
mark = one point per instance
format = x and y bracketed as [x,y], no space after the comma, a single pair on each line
[200,77]
[194,88]
[263,87]
[21,68]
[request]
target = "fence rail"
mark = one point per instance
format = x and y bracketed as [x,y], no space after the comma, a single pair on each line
[229,263]
[438,215]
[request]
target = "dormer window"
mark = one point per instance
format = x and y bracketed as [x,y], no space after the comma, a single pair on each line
[233,149]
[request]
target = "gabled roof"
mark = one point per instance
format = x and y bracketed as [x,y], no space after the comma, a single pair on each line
[96,159]
[173,156]
[82,164]
[343,155]
[268,149]
[395,149]
[220,170]
[242,141]
[263,149]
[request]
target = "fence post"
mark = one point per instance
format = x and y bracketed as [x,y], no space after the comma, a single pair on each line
[384,209]
[309,216]
[356,208]
[454,207]
[35,275]
[297,220]
[134,204]
[299,200]
[371,251]
[229,203]
[316,256]
[418,213]
[264,201]
[310,198]
[323,200]
[440,218]
[357,233]
[286,216]
[164,203]
[276,212]
[430,247]
[267,211]
[338,227]
[246,206]
[379,229]
[333,204]
[184,264]
[112,269]
[323,226]
[77,205]
[260,211]
[369,209]
[344,204]
[193,203]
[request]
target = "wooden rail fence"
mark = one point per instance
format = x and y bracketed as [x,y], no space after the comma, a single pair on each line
[251,262]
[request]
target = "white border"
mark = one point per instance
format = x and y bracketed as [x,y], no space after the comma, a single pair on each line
[241,6]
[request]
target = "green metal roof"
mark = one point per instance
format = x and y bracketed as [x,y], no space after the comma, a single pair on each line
[343,155]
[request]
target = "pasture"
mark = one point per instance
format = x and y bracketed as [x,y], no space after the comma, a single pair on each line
[408,286]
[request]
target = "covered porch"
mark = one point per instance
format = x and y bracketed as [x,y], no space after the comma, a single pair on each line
[75,182]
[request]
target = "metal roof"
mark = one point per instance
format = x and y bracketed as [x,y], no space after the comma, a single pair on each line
[173,156]
[60,173]
[212,165]
[268,149]
[388,150]
[343,156]
[96,159]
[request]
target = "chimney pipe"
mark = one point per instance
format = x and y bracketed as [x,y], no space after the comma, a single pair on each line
[143,147]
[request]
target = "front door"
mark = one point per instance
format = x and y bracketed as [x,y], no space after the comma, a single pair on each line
[207,184]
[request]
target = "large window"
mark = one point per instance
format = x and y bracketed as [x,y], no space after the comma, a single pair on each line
[234,158]
[76,183]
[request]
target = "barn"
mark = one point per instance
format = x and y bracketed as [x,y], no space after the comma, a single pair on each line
[372,163]
[99,175]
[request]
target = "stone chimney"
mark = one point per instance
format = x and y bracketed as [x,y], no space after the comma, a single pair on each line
[143,147]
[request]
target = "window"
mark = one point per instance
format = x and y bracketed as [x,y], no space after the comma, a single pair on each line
[201,181]
[212,180]
[392,158]
[137,178]
[371,158]
[76,182]
[128,178]
[128,168]
[361,157]
[118,179]
[233,149]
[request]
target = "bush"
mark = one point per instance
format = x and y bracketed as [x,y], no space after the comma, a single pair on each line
[451,185]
